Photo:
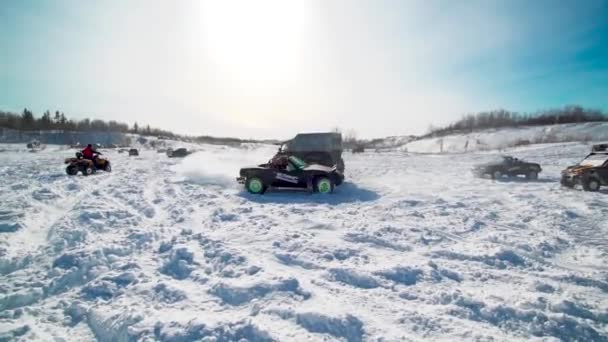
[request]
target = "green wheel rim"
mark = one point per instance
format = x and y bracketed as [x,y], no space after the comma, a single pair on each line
[324,186]
[255,185]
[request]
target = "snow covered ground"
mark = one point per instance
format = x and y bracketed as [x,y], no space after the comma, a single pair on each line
[411,247]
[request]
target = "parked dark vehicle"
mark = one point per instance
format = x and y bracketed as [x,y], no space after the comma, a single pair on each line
[591,172]
[33,144]
[508,166]
[359,149]
[133,152]
[290,172]
[179,153]
[315,148]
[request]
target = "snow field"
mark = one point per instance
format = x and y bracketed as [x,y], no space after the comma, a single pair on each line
[411,247]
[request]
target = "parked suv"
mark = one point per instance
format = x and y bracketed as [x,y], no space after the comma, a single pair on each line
[591,172]
[179,153]
[508,166]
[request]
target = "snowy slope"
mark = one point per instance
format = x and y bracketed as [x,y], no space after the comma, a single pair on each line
[411,247]
[390,142]
[509,137]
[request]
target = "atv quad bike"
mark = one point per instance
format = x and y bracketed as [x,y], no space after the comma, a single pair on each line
[86,166]
[509,166]
[591,172]
[315,148]
[290,173]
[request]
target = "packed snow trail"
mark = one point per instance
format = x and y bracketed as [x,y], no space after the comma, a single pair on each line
[411,247]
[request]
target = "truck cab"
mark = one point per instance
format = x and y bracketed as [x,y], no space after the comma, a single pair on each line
[316,148]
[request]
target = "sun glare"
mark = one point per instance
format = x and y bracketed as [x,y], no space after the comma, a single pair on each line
[254,41]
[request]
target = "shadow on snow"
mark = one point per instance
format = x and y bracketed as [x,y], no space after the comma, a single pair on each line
[345,193]
[525,180]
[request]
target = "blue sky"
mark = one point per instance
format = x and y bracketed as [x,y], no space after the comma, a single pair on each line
[271,68]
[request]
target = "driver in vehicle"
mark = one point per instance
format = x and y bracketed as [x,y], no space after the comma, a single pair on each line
[279,162]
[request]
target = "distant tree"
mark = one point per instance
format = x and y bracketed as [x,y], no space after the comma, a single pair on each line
[83,125]
[27,120]
[45,121]
[63,122]
[350,139]
[135,128]
[57,120]
[99,125]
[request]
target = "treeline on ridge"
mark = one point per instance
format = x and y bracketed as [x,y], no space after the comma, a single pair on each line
[503,118]
[27,121]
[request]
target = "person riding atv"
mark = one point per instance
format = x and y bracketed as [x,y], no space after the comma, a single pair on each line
[91,153]
[87,162]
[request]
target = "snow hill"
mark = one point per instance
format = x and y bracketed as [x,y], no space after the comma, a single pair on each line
[411,247]
[390,142]
[496,139]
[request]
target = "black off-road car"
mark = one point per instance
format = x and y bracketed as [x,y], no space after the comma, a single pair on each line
[290,172]
[510,167]
[315,148]
[178,153]
[591,172]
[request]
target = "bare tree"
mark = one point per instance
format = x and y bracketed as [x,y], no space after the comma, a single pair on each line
[350,139]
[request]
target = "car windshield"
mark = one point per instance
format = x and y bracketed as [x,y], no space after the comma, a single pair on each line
[594,160]
[297,162]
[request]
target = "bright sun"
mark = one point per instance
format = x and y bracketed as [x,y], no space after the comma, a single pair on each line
[257,41]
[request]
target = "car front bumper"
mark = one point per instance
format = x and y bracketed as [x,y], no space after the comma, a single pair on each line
[570,178]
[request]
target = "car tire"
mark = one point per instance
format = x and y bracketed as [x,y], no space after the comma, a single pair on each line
[591,184]
[341,165]
[108,167]
[255,185]
[324,185]
[496,175]
[567,183]
[532,175]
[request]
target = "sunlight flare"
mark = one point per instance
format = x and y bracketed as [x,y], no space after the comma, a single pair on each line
[254,41]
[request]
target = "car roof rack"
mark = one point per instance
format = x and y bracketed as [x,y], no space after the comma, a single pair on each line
[600,148]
